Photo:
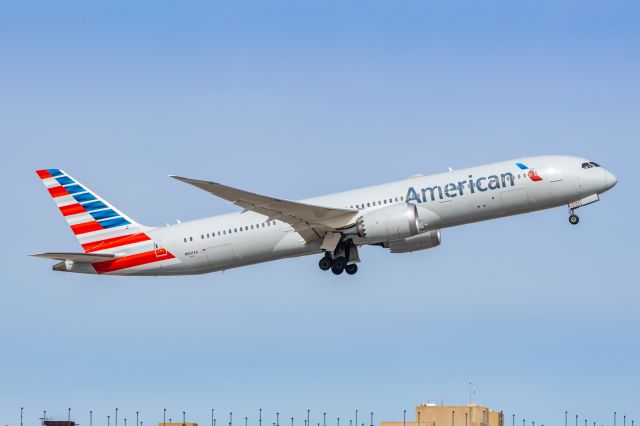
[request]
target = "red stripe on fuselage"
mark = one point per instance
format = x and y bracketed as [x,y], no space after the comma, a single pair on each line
[72,209]
[129,261]
[115,242]
[57,191]
[83,228]
[43,174]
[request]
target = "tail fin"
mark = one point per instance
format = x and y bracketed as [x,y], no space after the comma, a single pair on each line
[95,222]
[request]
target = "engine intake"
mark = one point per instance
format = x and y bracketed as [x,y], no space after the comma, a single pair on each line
[388,223]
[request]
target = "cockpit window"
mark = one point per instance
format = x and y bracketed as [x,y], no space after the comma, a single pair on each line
[586,165]
[594,164]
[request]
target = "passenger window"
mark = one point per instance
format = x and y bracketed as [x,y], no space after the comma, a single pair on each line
[586,166]
[185,240]
[368,204]
[190,238]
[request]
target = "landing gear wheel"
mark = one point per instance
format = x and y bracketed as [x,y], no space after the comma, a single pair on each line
[339,263]
[325,263]
[574,219]
[351,269]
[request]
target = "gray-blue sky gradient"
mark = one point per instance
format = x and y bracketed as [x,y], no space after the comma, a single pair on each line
[297,100]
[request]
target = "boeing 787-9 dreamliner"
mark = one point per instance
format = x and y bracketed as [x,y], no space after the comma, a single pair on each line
[402,216]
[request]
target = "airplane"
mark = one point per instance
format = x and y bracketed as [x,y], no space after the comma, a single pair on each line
[402,216]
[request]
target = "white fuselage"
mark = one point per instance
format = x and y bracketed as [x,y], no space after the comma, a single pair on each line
[443,200]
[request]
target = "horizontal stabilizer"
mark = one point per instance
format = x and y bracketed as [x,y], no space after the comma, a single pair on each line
[76,257]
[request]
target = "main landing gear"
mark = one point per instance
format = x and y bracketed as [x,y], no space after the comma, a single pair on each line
[343,259]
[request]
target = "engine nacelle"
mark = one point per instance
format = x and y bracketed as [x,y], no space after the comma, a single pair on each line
[388,223]
[417,242]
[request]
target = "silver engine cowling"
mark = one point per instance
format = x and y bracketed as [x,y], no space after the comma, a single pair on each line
[423,241]
[388,223]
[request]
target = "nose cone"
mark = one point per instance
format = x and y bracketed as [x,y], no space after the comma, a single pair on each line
[609,180]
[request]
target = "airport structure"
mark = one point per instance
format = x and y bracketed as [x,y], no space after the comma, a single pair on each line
[177,424]
[443,415]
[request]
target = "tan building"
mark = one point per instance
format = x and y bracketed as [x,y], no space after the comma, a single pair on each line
[448,415]
[177,424]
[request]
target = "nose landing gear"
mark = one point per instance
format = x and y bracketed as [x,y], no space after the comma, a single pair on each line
[573,218]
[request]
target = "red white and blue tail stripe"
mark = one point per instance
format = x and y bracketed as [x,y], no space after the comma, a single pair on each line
[100,227]
[90,217]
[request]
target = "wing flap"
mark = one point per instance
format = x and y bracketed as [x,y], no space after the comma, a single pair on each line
[76,257]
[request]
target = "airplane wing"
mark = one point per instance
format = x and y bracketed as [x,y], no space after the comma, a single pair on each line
[308,220]
[76,257]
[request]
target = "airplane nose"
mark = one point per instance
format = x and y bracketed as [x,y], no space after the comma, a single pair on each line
[610,180]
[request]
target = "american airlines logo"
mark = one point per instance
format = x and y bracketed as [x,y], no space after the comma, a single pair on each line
[472,185]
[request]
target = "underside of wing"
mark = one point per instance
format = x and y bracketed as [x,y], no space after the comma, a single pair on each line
[76,257]
[308,220]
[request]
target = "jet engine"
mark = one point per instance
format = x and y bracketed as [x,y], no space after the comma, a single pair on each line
[423,241]
[388,223]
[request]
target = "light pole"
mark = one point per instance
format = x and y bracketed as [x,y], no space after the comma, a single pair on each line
[324,419]
[453,413]
[164,417]
[260,417]
[277,419]
[68,414]
[245,420]
[576,420]
[21,409]
[614,418]
[565,417]
[137,417]
[108,420]
[372,418]
[309,412]
[184,418]
[291,421]
[513,420]
[230,418]
[338,421]
[356,417]
[212,410]
[404,418]
[90,418]
[116,417]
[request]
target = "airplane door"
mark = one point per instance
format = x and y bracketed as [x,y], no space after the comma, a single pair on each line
[159,248]
[554,173]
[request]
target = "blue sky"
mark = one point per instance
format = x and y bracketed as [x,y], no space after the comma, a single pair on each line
[299,99]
